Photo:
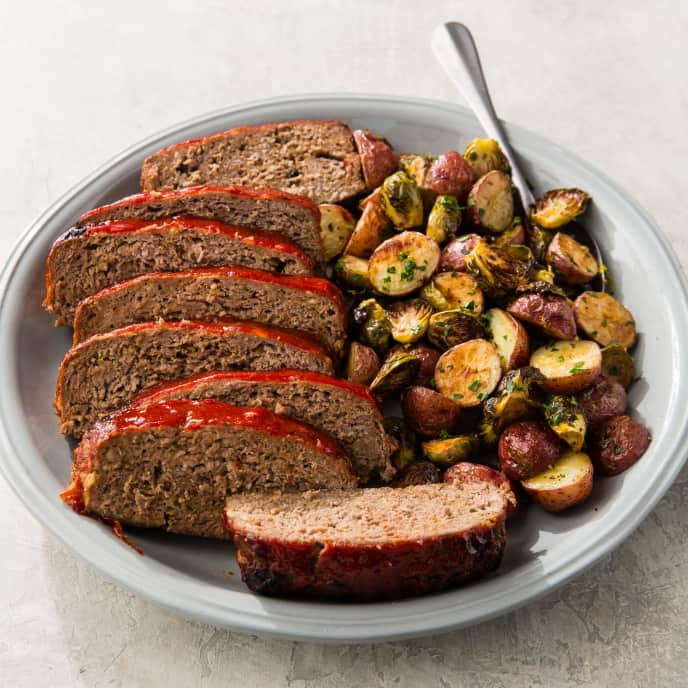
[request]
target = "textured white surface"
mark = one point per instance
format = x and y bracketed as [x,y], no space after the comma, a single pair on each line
[81,80]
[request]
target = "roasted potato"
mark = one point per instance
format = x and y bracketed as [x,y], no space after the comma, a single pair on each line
[603,400]
[402,201]
[397,371]
[403,263]
[565,416]
[618,365]
[485,155]
[378,158]
[417,473]
[558,207]
[336,226]
[453,257]
[362,364]
[512,236]
[466,472]
[449,328]
[499,271]
[370,230]
[567,483]
[568,367]
[604,319]
[468,373]
[617,444]
[429,413]
[450,175]
[570,260]
[449,290]
[549,312]
[491,202]
[509,337]
[351,272]
[403,441]
[447,451]
[527,448]
[374,328]
[444,218]
[409,320]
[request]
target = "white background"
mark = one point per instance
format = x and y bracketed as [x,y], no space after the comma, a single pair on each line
[83,79]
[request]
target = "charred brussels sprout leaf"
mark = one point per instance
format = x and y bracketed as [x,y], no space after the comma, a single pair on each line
[538,240]
[444,218]
[445,452]
[409,320]
[485,155]
[499,271]
[565,417]
[402,201]
[449,328]
[397,371]
[404,441]
[558,207]
[375,330]
[352,273]
[618,364]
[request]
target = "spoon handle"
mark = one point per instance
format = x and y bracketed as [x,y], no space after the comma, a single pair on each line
[455,50]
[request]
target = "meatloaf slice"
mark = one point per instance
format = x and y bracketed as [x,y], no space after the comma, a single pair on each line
[344,410]
[171,465]
[312,158]
[113,252]
[307,304]
[367,544]
[106,371]
[296,217]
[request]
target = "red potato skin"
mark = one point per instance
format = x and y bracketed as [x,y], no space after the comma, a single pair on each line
[467,472]
[450,175]
[518,238]
[428,413]
[428,360]
[603,400]
[562,267]
[453,256]
[378,158]
[527,448]
[548,311]
[366,364]
[617,444]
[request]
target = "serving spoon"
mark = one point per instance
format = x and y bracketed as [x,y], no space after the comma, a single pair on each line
[457,54]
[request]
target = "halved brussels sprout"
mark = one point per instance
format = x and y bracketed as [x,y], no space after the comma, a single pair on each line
[449,328]
[538,239]
[514,235]
[445,452]
[565,417]
[485,155]
[618,364]
[444,218]
[416,166]
[375,328]
[404,440]
[409,320]
[558,207]
[397,371]
[449,290]
[499,271]
[352,273]
[402,201]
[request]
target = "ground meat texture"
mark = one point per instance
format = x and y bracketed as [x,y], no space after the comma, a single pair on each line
[106,371]
[296,217]
[316,159]
[346,411]
[107,254]
[377,543]
[308,304]
[173,464]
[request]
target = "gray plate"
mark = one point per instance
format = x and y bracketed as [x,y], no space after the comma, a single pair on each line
[200,579]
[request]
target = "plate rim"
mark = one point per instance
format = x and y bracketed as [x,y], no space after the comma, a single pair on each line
[306,629]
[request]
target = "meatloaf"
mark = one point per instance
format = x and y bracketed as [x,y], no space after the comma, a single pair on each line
[107,370]
[296,217]
[307,304]
[344,410]
[317,159]
[172,464]
[113,252]
[367,544]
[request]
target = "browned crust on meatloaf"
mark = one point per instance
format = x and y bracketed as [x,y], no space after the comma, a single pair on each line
[313,158]
[86,260]
[306,304]
[269,210]
[171,465]
[107,370]
[371,544]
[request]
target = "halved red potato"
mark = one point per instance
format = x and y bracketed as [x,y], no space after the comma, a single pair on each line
[512,236]
[378,158]
[453,258]
[568,366]
[604,319]
[466,472]
[526,448]
[468,373]
[336,226]
[509,337]
[558,207]
[450,290]
[603,400]
[429,413]
[362,364]
[564,484]
[570,260]
[550,312]
[617,444]
[450,175]
[491,202]
[370,229]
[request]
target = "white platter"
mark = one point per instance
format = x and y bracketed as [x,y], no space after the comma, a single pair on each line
[199,579]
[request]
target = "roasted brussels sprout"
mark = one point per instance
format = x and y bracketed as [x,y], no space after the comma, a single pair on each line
[445,452]
[499,271]
[416,166]
[538,239]
[558,207]
[491,202]
[403,439]
[336,225]
[397,371]
[378,158]
[444,218]
[362,364]
[618,364]
[449,328]
[485,155]
[409,320]
[352,273]
[512,236]
[417,473]
[371,229]
[402,201]
[564,415]
[449,290]
[374,327]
